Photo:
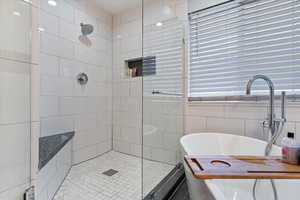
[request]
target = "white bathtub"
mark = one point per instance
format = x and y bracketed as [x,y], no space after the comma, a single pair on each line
[226,144]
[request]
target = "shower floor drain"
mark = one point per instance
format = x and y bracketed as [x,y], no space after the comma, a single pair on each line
[110,172]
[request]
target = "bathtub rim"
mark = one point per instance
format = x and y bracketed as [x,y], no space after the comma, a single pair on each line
[183,138]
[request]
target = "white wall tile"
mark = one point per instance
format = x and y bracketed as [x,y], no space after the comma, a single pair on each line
[298,131]
[15,169]
[49,65]
[131,15]
[55,125]
[53,10]
[50,44]
[85,154]
[14,91]
[35,93]
[49,106]
[69,31]
[66,12]
[245,111]
[49,23]
[293,113]
[70,68]
[66,86]
[49,85]
[206,110]
[131,44]
[66,49]
[85,122]
[221,125]
[34,150]
[16,39]
[122,146]
[104,147]
[72,105]
[231,121]
[195,124]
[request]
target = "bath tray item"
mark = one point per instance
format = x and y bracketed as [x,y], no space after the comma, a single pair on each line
[241,167]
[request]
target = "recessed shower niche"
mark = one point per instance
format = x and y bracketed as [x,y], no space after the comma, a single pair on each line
[141,66]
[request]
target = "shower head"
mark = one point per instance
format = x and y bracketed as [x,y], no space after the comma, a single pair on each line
[86,29]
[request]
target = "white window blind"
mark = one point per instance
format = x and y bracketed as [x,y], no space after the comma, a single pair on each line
[165,44]
[234,41]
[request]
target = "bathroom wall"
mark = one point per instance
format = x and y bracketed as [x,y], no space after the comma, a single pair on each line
[17,63]
[127,91]
[64,104]
[235,118]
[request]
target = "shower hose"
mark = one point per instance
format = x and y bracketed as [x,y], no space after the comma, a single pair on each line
[278,131]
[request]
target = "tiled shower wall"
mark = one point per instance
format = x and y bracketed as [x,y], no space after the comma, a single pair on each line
[16,65]
[127,92]
[65,105]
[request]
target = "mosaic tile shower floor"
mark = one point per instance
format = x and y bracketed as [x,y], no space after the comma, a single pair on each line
[86,181]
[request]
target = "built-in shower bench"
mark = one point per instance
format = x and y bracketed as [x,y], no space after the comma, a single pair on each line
[49,146]
[55,162]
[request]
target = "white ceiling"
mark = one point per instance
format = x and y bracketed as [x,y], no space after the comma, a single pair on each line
[116,6]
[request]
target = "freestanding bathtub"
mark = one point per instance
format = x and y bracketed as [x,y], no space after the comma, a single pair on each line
[226,144]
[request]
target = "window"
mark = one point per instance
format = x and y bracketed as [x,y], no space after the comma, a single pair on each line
[164,41]
[232,42]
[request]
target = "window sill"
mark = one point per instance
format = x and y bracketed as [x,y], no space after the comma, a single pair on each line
[242,100]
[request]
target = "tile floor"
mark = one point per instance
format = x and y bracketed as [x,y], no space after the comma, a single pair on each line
[86,181]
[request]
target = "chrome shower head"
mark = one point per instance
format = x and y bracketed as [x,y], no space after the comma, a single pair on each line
[86,29]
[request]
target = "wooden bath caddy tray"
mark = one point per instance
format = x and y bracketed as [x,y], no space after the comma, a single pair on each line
[241,167]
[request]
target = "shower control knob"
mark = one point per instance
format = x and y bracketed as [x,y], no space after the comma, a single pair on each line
[82,78]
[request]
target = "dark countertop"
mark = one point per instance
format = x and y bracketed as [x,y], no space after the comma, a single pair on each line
[49,146]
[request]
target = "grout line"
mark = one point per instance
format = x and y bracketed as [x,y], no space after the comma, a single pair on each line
[90,158]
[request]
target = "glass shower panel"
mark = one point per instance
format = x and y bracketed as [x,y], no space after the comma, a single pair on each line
[15,83]
[163,101]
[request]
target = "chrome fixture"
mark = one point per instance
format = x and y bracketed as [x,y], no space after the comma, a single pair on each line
[272,123]
[82,78]
[271,116]
[166,93]
[86,29]
[275,126]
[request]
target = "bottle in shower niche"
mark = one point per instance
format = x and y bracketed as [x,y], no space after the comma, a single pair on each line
[290,149]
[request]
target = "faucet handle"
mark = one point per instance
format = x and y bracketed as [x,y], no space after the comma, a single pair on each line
[283,106]
[264,123]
